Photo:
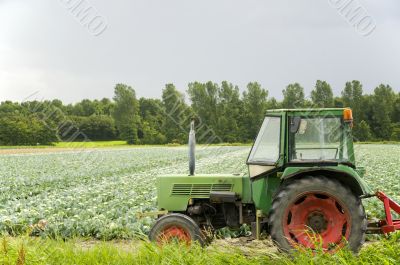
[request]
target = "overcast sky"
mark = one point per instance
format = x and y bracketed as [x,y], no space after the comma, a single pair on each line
[149,43]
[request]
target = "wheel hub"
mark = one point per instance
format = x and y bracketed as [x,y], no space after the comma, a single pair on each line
[316,216]
[317,222]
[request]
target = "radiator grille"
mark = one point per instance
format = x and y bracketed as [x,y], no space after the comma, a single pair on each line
[199,189]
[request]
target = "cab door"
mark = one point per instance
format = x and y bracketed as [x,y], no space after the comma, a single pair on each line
[266,155]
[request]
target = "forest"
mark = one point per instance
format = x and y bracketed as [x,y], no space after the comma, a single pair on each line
[222,113]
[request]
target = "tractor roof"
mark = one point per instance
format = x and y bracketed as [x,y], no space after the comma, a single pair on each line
[332,111]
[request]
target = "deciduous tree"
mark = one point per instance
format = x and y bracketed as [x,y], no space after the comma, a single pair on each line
[176,114]
[254,108]
[126,113]
[293,96]
[322,95]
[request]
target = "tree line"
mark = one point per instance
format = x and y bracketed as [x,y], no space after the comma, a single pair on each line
[221,112]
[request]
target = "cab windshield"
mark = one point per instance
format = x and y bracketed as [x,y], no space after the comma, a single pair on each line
[266,147]
[317,139]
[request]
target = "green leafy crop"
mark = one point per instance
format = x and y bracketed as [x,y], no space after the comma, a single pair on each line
[96,193]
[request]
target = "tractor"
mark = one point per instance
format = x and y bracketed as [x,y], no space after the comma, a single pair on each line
[303,188]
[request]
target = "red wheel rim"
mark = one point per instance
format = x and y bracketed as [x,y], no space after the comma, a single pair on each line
[174,234]
[317,218]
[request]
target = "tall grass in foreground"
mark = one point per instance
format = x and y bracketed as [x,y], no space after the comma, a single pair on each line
[28,250]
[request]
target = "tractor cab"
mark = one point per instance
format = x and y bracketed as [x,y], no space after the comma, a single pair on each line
[302,137]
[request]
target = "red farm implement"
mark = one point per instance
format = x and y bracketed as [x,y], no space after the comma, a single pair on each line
[388,225]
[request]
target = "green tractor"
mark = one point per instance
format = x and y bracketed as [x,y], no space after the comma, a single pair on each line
[303,188]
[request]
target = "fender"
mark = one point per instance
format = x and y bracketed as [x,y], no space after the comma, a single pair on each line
[344,174]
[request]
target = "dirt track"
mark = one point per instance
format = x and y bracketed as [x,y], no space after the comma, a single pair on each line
[244,245]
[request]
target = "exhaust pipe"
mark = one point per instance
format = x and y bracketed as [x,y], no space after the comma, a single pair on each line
[192,149]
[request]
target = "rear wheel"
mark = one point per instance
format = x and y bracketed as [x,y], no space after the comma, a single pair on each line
[315,211]
[178,228]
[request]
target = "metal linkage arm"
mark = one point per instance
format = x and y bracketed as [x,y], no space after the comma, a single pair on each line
[389,225]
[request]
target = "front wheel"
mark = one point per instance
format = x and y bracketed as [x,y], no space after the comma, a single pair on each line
[317,211]
[178,228]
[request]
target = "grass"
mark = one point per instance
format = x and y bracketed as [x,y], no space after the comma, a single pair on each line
[96,144]
[28,250]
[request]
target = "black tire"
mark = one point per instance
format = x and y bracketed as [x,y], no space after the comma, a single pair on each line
[291,195]
[185,223]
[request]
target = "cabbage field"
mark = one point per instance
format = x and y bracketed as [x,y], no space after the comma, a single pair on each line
[97,193]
